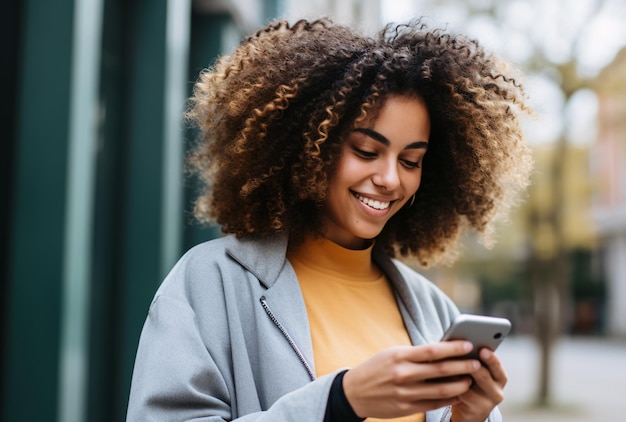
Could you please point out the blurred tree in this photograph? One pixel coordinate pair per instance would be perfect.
(551, 241)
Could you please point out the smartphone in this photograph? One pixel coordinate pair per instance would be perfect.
(481, 331)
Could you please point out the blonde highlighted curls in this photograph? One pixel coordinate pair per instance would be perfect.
(273, 114)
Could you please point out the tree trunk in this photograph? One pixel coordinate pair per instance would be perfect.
(550, 278)
(546, 317)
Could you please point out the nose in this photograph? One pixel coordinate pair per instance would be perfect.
(387, 176)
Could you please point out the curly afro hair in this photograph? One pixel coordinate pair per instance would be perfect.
(273, 115)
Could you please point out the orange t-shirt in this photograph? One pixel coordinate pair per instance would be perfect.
(351, 307)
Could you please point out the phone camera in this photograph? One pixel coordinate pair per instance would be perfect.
(497, 335)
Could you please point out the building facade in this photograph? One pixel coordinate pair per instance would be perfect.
(609, 176)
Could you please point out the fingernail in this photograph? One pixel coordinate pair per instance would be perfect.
(476, 365)
(467, 347)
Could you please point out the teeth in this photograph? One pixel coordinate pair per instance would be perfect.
(379, 205)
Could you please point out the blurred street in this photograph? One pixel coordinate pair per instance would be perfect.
(588, 384)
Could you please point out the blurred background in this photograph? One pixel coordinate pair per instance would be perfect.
(96, 208)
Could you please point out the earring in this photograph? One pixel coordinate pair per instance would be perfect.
(410, 204)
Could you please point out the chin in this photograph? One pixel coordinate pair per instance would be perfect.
(368, 236)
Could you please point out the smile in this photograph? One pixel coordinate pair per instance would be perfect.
(377, 205)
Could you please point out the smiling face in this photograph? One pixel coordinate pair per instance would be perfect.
(378, 171)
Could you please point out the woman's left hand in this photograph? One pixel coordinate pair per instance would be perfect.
(485, 393)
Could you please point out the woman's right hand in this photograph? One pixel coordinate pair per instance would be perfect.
(404, 380)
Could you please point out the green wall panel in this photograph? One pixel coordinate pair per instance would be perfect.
(36, 240)
(141, 221)
(105, 315)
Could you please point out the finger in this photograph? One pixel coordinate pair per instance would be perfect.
(477, 397)
(483, 381)
(439, 351)
(443, 388)
(451, 368)
(493, 363)
(474, 403)
(471, 396)
(486, 387)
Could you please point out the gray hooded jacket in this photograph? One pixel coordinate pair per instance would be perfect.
(227, 337)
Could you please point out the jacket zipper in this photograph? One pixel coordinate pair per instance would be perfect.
(446, 414)
(292, 343)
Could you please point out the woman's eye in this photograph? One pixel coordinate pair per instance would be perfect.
(364, 154)
(411, 164)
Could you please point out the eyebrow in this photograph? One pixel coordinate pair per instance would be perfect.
(379, 137)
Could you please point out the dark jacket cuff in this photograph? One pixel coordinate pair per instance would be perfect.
(338, 409)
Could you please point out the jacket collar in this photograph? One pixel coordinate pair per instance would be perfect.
(265, 257)
(262, 256)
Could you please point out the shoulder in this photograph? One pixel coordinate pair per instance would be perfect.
(207, 266)
(433, 308)
(402, 274)
(430, 307)
(421, 285)
(413, 277)
(202, 259)
(230, 251)
(198, 270)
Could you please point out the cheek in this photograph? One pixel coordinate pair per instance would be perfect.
(412, 182)
(350, 169)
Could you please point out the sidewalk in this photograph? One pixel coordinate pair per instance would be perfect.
(588, 382)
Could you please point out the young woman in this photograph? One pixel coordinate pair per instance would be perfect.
(325, 154)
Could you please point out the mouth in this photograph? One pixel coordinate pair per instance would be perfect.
(372, 203)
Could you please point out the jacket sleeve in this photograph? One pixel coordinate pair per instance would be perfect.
(443, 415)
(495, 416)
(176, 379)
